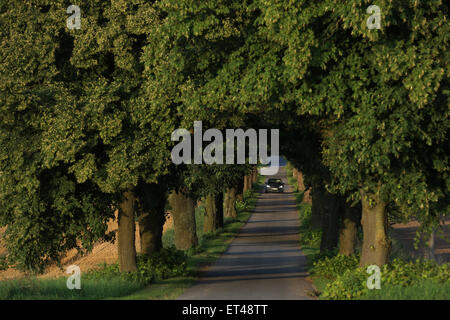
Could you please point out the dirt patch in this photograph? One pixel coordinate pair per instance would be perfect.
(103, 252)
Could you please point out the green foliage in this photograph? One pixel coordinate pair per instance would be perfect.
(308, 236)
(167, 263)
(3, 263)
(87, 114)
(352, 284)
(247, 202)
(406, 273)
(78, 123)
(331, 267)
(104, 271)
(349, 285)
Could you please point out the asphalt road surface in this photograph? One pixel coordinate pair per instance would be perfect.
(264, 261)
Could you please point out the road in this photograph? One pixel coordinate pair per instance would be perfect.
(264, 261)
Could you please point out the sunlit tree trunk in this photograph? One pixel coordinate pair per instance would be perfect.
(246, 184)
(210, 220)
(126, 234)
(183, 214)
(376, 243)
(230, 203)
(255, 175)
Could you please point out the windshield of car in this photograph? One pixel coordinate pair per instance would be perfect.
(274, 181)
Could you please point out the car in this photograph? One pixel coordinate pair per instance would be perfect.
(276, 185)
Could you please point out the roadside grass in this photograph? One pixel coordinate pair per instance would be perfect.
(211, 246)
(56, 289)
(425, 290)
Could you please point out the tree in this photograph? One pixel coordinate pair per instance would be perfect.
(152, 214)
(45, 209)
(348, 233)
(100, 124)
(387, 86)
(126, 233)
(379, 97)
(183, 212)
(211, 182)
(230, 198)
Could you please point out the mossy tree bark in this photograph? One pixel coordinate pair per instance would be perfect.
(246, 184)
(151, 219)
(183, 214)
(255, 175)
(376, 243)
(230, 203)
(349, 229)
(210, 220)
(213, 213)
(126, 234)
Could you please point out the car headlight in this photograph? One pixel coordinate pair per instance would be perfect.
(281, 186)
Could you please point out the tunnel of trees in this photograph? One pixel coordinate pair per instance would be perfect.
(87, 116)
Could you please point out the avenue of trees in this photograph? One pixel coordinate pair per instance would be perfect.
(86, 117)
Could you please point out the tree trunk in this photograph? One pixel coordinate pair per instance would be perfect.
(126, 234)
(240, 190)
(246, 184)
(330, 221)
(349, 229)
(230, 203)
(430, 245)
(183, 214)
(255, 175)
(150, 231)
(151, 220)
(376, 244)
(316, 209)
(294, 173)
(219, 210)
(210, 220)
(301, 187)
